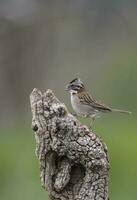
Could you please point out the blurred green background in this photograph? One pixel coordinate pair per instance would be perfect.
(45, 44)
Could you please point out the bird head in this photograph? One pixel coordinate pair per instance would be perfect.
(75, 86)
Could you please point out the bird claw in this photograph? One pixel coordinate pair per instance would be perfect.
(74, 114)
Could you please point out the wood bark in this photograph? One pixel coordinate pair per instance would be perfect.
(73, 160)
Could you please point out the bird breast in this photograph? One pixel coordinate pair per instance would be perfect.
(80, 108)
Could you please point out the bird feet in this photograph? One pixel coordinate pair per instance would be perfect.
(92, 123)
(74, 114)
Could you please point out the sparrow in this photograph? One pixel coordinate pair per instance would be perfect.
(84, 104)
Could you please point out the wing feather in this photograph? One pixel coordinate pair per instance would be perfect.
(88, 100)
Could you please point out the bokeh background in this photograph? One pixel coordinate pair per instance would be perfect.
(45, 44)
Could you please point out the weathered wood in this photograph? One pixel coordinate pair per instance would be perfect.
(73, 160)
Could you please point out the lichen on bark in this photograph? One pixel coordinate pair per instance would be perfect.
(73, 160)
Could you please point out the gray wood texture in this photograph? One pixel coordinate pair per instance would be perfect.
(73, 160)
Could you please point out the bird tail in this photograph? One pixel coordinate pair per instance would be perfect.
(121, 111)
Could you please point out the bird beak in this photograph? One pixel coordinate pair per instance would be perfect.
(67, 87)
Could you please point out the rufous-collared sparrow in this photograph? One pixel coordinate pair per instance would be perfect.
(84, 104)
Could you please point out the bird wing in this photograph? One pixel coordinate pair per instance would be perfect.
(88, 100)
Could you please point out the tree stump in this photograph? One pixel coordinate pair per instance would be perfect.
(73, 160)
